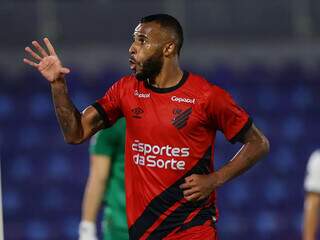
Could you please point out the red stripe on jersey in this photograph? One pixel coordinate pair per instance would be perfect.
(161, 218)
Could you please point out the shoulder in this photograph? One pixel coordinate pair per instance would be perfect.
(122, 85)
(105, 136)
(207, 89)
(119, 125)
(124, 81)
(104, 133)
(198, 80)
(127, 80)
(312, 179)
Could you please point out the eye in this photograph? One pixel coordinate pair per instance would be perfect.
(141, 40)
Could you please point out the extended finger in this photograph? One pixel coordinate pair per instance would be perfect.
(193, 197)
(40, 49)
(189, 192)
(190, 178)
(185, 186)
(65, 70)
(50, 47)
(33, 64)
(33, 54)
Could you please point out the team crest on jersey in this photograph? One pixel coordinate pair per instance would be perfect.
(137, 112)
(181, 117)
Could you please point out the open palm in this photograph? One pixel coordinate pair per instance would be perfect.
(48, 63)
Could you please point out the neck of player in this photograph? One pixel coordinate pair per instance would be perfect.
(170, 75)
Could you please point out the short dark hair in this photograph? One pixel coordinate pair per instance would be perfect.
(167, 21)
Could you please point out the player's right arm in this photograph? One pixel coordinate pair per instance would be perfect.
(312, 197)
(102, 147)
(311, 215)
(95, 188)
(76, 126)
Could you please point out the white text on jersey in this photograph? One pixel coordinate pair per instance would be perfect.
(141, 95)
(183, 100)
(159, 156)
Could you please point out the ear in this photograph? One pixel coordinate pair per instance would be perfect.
(169, 49)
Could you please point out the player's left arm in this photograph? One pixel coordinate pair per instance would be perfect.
(255, 146)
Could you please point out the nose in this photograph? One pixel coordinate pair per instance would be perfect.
(132, 49)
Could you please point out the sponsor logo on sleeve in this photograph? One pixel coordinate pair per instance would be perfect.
(141, 95)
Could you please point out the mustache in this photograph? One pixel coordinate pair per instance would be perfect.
(132, 60)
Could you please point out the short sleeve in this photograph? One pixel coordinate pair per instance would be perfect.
(109, 106)
(228, 117)
(312, 179)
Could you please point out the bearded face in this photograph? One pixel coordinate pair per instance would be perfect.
(146, 52)
(150, 68)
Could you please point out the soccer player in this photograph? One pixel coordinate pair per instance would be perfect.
(106, 180)
(172, 117)
(312, 197)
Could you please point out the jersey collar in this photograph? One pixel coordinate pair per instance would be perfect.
(169, 89)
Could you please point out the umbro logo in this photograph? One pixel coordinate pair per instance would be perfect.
(181, 117)
(137, 112)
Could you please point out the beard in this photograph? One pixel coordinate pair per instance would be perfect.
(151, 68)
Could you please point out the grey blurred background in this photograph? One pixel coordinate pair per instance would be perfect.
(95, 33)
(266, 53)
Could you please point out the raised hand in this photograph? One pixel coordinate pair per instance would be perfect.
(48, 63)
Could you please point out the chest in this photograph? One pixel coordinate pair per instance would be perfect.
(169, 115)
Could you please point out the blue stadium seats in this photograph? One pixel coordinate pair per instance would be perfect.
(29, 136)
(302, 97)
(233, 224)
(40, 105)
(292, 128)
(284, 160)
(37, 229)
(12, 202)
(58, 167)
(267, 98)
(44, 178)
(81, 99)
(70, 227)
(21, 169)
(238, 194)
(6, 106)
(266, 223)
(275, 191)
(53, 200)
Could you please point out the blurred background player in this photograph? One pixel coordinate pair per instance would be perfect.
(312, 197)
(106, 183)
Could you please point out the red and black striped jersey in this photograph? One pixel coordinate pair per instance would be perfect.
(170, 135)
